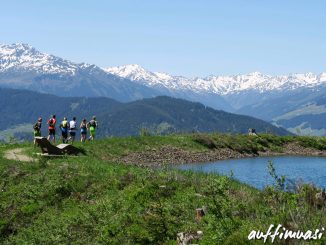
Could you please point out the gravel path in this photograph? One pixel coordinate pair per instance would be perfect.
(18, 155)
(174, 155)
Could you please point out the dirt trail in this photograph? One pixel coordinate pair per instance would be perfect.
(174, 155)
(18, 155)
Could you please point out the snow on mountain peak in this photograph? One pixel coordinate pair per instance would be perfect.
(16, 46)
(137, 73)
(127, 70)
(20, 57)
(218, 84)
(23, 57)
(16, 49)
(256, 74)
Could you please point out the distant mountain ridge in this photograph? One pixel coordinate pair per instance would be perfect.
(270, 98)
(221, 85)
(24, 67)
(160, 115)
(23, 58)
(291, 101)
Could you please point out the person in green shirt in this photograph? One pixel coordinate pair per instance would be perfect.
(92, 126)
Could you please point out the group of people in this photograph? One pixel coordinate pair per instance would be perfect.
(68, 129)
(252, 131)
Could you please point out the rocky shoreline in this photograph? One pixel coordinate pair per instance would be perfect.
(174, 155)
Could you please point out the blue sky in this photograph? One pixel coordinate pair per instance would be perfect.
(181, 37)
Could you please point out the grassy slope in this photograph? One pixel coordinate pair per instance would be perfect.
(203, 142)
(88, 200)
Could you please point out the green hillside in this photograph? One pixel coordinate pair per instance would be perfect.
(300, 112)
(95, 199)
(160, 115)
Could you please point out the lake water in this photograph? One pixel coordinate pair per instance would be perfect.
(254, 171)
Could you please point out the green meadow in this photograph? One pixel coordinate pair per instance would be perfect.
(97, 199)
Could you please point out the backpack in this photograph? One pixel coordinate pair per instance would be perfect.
(36, 127)
(92, 123)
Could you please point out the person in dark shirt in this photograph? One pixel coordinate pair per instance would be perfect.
(37, 129)
(92, 126)
(83, 130)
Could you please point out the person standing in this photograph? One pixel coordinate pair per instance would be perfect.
(83, 130)
(64, 130)
(37, 129)
(92, 126)
(72, 129)
(51, 126)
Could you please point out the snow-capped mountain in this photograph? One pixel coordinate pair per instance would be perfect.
(222, 85)
(139, 74)
(23, 57)
(294, 101)
(272, 98)
(20, 58)
(24, 67)
(176, 86)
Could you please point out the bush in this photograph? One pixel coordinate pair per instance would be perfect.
(205, 141)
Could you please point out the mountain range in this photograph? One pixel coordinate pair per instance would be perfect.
(294, 101)
(159, 115)
(221, 85)
(24, 67)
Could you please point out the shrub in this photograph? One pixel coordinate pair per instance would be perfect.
(205, 141)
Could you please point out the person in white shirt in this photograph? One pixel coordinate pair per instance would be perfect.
(72, 129)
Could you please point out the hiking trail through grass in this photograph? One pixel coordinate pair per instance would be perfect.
(18, 155)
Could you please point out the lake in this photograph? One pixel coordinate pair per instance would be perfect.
(254, 171)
